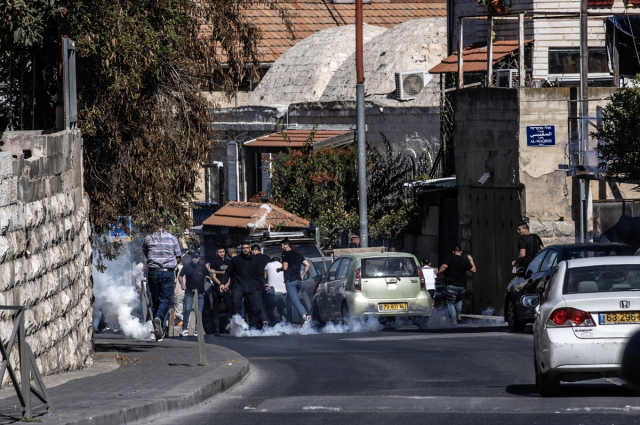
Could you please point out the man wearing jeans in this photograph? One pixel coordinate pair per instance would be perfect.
(455, 270)
(195, 272)
(277, 291)
(162, 254)
(292, 262)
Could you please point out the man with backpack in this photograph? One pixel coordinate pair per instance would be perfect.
(529, 245)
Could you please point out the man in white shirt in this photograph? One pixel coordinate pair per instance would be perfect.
(277, 290)
(429, 276)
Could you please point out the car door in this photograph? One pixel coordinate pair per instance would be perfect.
(528, 286)
(322, 294)
(546, 270)
(338, 286)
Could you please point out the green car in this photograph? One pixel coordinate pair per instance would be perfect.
(384, 285)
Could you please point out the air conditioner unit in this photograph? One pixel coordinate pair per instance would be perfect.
(410, 83)
(505, 77)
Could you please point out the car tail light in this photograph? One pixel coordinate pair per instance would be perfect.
(357, 284)
(567, 317)
(423, 284)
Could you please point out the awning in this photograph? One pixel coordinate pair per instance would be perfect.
(321, 138)
(474, 57)
(433, 185)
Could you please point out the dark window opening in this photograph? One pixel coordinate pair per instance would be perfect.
(567, 61)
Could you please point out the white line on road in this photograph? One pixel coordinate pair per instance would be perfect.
(441, 336)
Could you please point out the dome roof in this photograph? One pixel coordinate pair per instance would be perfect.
(413, 45)
(302, 73)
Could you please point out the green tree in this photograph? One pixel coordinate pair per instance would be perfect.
(619, 152)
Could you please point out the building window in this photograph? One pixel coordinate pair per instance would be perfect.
(567, 61)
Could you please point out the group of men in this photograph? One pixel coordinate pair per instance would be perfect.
(248, 281)
(455, 269)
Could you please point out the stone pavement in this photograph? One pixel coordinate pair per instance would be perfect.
(151, 379)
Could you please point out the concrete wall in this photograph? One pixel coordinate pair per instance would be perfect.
(42, 201)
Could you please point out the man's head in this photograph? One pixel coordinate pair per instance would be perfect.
(457, 250)
(160, 223)
(275, 259)
(255, 249)
(246, 248)
(195, 257)
(523, 229)
(233, 251)
(426, 262)
(221, 252)
(285, 245)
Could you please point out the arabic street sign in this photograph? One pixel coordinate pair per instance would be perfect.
(541, 135)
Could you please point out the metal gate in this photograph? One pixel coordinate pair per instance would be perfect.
(495, 215)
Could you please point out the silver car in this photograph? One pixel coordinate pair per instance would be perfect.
(586, 314)
(382, 285)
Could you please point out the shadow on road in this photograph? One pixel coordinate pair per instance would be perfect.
(575, 390)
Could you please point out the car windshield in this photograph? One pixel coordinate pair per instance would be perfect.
(389, 267)
(613, 278)
(308, 250)
(599, 251)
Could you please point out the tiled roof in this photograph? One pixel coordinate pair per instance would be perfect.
(249, 215)
(310, 16)
(474, 57)
(297, 137)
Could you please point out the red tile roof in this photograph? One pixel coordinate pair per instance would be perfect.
(310, 16)
(249, 215)
(297, 137)
(474, 57)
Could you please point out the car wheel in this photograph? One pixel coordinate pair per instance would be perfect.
(548, 386)
(315, 316)
(345, 313)
(512, 318)
(422, 322)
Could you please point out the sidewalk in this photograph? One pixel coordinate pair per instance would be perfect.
(136, 380)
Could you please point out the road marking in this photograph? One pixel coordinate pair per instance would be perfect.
(440, 336)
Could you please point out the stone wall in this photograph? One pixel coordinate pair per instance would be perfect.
(43, 210)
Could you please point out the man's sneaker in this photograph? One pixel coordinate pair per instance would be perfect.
(217, 333)
(163, 335)
(184, 332)
(265, 324)
(157, 328)
(307, 319)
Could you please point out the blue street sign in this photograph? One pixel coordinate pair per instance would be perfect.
(121, 229)
(541, 135)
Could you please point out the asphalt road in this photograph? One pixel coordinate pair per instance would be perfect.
(446, 376)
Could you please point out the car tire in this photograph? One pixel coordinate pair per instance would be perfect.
(548, 386)
(422, 322)
(344, 310)
(315, 316)
(515, 325)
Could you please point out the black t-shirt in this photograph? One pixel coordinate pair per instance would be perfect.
(246, 274)
(221, 265)
(531, 244)
(456, 272)
(195, 274)
(294, 264)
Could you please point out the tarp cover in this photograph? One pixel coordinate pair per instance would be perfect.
(623, 31)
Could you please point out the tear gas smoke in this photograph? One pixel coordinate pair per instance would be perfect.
(239, 328)
(117, 299)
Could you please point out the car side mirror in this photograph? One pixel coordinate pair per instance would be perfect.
(520, 272)
(530, 300)
(319, 278)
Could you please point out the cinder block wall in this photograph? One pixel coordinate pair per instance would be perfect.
(42, 201)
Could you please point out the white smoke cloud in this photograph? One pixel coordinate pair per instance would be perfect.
(239, 328)
(118, 300)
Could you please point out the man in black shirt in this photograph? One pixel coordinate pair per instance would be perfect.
(529, 245)
(264, 260)
(455, 270)
(220, 289)
(195, 273)
(292, 262)
(247, 278)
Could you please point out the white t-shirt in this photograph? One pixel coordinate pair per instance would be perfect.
(275, 279)
(429, 277)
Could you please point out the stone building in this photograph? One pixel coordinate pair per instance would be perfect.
(45, 251)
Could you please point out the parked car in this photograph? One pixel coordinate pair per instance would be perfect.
(584, 318)
(383, 285)
(533, 279)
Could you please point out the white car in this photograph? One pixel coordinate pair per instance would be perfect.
(584, 318)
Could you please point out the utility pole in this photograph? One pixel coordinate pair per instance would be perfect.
(360, 130)
(584, 109)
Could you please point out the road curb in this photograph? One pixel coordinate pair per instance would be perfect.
(183, 396)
